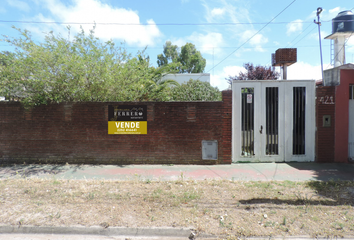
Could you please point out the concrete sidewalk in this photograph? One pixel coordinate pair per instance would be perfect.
(236, 172)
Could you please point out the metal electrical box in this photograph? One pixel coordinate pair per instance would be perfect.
(209, 149)
(326, 120)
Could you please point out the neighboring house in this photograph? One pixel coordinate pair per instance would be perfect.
(335, 115)
(185, 77)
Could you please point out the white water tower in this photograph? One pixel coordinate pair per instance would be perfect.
(342, 28)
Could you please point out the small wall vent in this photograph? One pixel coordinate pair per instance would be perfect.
(209, 150)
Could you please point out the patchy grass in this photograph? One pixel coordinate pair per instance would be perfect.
(224, 208)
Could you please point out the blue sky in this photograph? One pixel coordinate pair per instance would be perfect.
(225, 31)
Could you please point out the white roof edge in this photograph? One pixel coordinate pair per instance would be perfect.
(188, 74)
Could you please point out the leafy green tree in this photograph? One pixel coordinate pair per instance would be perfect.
(81, 69)
(255, 73)
(195, 90)
(185, 60)
(191, 59)
(170, 54)
(6, 58)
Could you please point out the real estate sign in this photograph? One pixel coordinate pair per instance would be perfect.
(127, 119)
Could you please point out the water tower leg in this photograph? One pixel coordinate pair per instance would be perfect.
(284, 72)
(339, 51)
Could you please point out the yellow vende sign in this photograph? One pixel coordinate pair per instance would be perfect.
(129, 127)
(127, 119)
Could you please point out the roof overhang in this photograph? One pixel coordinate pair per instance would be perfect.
(339, 34)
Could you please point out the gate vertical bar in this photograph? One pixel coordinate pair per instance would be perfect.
(243, 122)
(351, 124)
(299, 117)
(247, 121)
(252, 125)
(272, 111)
(267, 121)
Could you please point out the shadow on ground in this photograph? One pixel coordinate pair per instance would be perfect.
(33, 170)
(327, 171)
(30, 170)
(325, 193)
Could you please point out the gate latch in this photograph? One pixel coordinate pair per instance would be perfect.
(260, 131)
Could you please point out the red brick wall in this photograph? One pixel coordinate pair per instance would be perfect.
(77, 133)
(342, 113)
(325, 105)
(226, 127)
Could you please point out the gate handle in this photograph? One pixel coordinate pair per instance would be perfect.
(260, 131)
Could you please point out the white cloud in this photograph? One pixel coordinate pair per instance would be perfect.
(294, 26)
(218, 79)
(90, 11)
(326, 15)
(234, 34)
(229, 11)
(304, 71)
(179, 42)
(23, 6)
(323, 35)
(207, 43)
(332, 13)
(44, 28)
(254, 40)
(217, 12)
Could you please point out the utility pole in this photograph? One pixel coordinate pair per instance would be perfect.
(319, 10)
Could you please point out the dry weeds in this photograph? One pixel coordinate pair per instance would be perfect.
(215, 207)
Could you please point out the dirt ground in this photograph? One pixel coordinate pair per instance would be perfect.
(219, 207)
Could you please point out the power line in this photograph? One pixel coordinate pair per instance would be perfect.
(201, 47)
(252, 36)
(299, 35)
(299, 40)
(308, 34)
(305, 35)
(159, 24)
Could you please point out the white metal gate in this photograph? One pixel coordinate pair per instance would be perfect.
(351, 123)
(273, 121)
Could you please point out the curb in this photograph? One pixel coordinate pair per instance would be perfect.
(96, 230)
(294, 238)
(140, 232)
